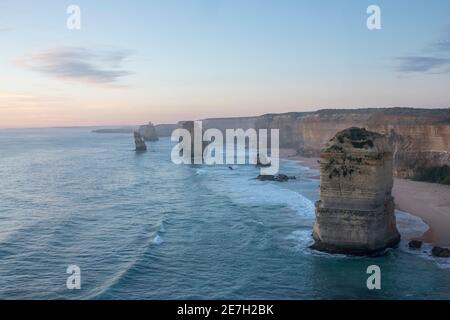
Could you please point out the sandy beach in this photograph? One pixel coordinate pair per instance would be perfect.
(290, 154)
(428, 201)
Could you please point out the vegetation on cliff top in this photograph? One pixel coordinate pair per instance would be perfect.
(359, 138)
(434, 174)
(432, 115)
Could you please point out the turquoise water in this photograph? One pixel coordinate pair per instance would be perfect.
(140, 227)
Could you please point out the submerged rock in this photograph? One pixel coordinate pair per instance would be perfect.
(148, 132)
(415, 244)
(277, 178)
(355, 213)
(440, 252)
(139, 142)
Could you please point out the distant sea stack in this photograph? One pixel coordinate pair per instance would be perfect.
(148, 132)
(191, 126)
(355, 213)
(139, 142)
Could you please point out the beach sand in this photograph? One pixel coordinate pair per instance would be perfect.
(428, 201)
(291, 154)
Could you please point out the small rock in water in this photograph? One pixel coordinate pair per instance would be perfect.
(441, 252)
(415, 244)
(277, 178)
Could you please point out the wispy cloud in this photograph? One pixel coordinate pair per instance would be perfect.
(435, 58)
(23, 101)
(422, 64)
(79, 64)
(442, 46)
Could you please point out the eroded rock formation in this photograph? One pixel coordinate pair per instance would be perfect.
(196, 132)
(148, 132)
(440, 252)
(277, 178)
(139, 142)
(355, 213)
(415, 244)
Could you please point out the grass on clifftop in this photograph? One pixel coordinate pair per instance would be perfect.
(434, 174)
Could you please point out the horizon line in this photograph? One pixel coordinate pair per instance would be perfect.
(231, 117)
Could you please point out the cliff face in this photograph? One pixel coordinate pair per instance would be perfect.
(229, 123)
(193, 128)
(355, 213)
(165, 130)
(420, 137)
(148, 132)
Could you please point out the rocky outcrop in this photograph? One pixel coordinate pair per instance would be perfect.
(193, 127)
(148, 132)
(355, 213)
(139, 142)
(277, 178)
(441, 252)
(415, 244)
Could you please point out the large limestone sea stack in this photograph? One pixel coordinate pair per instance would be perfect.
(355, 213)
(194, 129)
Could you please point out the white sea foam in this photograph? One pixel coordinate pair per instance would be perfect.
(200, 172)
(301, 238)
(246, 191)
(411, 227)
(241, 187)
(158, 240)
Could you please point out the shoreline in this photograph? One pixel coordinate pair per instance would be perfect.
(427, 201)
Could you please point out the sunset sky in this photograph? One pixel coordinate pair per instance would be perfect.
(165, 61)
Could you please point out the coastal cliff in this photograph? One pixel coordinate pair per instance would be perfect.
(148, 132)
(355, 213)
(420, 137)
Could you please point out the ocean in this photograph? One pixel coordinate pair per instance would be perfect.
(140, 227)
